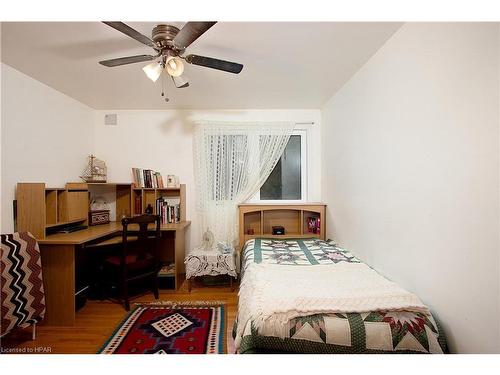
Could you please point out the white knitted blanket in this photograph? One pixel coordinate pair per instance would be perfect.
(273, 294)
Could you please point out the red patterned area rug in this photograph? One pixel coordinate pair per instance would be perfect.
(170, 328)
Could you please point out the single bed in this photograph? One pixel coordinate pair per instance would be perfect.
(287, 292)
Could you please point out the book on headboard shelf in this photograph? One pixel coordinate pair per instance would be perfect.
(147, 178)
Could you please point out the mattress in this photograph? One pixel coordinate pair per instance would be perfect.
(343, 333)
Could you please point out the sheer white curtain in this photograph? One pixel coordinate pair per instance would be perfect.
(232, 161)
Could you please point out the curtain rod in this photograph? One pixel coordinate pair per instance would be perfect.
(199, 122)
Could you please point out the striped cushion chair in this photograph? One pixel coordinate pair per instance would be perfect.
(22, 295)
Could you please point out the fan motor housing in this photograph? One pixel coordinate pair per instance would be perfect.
(164, 34)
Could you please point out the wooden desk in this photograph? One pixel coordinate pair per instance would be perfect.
(58, 265)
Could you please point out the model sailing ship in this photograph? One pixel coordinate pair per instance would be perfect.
(95, 171)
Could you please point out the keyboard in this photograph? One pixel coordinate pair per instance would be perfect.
(72, 228)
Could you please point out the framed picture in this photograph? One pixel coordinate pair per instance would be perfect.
(313, 225)
(172, 180)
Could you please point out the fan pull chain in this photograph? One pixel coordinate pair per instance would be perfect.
(163, 87)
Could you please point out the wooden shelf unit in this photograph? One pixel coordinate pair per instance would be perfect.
(39, 208)
(293, 217)
(119, 194)
(149, 196)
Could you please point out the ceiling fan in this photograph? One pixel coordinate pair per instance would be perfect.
(169, 45)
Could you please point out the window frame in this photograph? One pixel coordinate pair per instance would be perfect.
(303, 178)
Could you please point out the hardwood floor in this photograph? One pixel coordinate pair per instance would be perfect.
(96, 321)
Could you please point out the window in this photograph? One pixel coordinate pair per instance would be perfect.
(288, 179)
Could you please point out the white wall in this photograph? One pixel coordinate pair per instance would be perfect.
(46, 137)
(410, 172)
(162, 141)
(499, 173)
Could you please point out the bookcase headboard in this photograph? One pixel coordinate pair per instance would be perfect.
(299, 220)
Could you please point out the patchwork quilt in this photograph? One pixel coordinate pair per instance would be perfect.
(366, 332)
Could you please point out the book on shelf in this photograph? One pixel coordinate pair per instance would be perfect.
(144, 178)
(152, 179)
(168, 209)
(147, 179)
(159, 180)
(138, 204)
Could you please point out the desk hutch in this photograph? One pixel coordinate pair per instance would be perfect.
(42, 210)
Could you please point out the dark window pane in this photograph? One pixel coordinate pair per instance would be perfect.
(284, 182)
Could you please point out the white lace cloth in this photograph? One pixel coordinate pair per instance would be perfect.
(209, 263)
(273, 294)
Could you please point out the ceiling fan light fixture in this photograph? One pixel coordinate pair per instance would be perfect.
(169, 44)
(180, 82)
(153, 71)
(175, 66)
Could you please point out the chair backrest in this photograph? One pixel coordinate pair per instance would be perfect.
(141, 227)
(22, 293)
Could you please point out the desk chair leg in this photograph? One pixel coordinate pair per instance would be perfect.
(155, 287)
(125, 296)
(189, 285)
(231, 283)
(33, 332)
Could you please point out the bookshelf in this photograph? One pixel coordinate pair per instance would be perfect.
(141, 197)
(41, 208)
(295, 218)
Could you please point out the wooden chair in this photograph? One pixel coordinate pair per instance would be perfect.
(138, 259)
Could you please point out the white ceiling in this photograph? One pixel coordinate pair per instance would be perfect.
(286, 65)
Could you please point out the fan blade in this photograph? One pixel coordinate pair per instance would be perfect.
(126, 60)
(127, 30)
(190, 32)
(209, 62)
